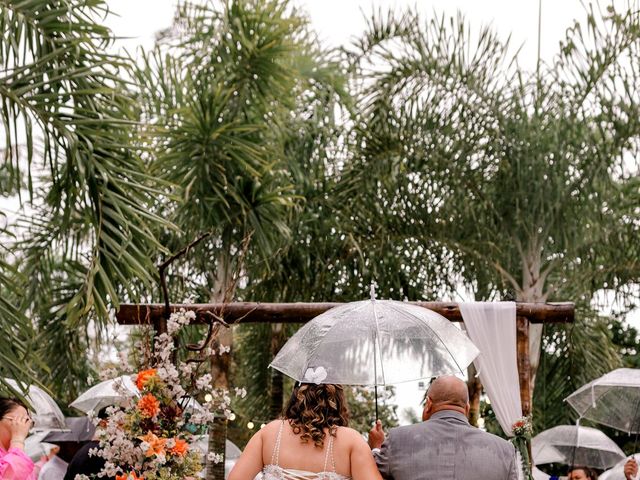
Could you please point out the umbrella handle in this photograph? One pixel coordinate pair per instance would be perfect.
(376, 394)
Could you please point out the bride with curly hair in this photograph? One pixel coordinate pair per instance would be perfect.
(311, 442)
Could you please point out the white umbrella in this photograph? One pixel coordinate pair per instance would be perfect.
(617, 472)
(113, 392)
(612, 400)
(375, 342)
(47, 415)
(574, 445)
(35, 447)
(105, 394)
(539, 474)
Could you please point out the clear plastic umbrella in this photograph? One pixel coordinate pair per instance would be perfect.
(47, 415)
(35, 446)
(612, 400)
(375, 342)
(617, 472)
(539, 474)
(107, 393)
(114, 391)
(575, 445)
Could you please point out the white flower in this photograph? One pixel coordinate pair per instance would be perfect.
(224, 349)
(241, 392)
(215, 457)
(81, 477)
(204, 382)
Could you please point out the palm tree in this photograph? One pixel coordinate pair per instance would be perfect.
(68, 117)
(512, 182)
(217, 95)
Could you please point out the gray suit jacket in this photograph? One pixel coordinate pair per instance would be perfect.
(445, 447)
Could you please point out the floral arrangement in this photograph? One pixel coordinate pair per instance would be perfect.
(149, 435)
(522, 431)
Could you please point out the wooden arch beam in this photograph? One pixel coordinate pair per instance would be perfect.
(249, 312)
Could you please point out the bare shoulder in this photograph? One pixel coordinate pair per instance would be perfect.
(271, 427)
(350, 435)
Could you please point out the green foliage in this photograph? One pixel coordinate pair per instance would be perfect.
(362, 408)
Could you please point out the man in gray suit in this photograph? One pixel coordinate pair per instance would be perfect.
(444, 446)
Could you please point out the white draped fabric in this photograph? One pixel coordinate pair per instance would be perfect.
(492, 327)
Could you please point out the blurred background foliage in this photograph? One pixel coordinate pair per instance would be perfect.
(420, 157)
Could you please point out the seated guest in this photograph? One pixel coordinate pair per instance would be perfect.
(15, 423)
(84, 464)
(55, 468)
(582, 473)
(444, 446)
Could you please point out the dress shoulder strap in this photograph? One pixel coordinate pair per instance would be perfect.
(329, 454)
(275, 456)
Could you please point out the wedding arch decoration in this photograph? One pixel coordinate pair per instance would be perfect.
(150, 434)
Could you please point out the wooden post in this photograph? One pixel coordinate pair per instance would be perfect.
(524, 363)
(524, 370)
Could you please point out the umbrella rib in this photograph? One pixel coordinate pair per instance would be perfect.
(377, 342)
(437, 336)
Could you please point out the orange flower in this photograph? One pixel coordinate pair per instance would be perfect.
(144, 376)
(149, 405)
(128, 476)
(156, 444)
(180, 449)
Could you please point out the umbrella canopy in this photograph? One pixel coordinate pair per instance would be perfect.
(114, 392)
(375, 342)
(81, 429)
(617, 472)
(612, 400)
(574, 445)
(35, 447)
(46, 413)
(539, 474)
(104, 394)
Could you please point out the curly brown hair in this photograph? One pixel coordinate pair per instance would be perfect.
(314, 408)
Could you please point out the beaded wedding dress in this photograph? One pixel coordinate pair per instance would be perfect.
(276, 472)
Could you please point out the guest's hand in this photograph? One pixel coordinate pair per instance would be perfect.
(20, 428)
(376, 435)
(630, 469)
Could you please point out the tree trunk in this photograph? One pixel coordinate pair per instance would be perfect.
(532, 290)
(277, 379)
(475, 391)
(217, 440)
(222, 292)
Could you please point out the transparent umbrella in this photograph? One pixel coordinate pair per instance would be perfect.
(575, 445)
(375, 342)
(617, 472)
(612, 400)
(114, 391)
(110, 392)
(46, 413)
(35, 446)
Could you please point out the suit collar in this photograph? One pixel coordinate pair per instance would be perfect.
(442, 414)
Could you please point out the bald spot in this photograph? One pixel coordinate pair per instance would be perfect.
(449, 390)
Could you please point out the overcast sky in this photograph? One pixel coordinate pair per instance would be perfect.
(337, 21)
